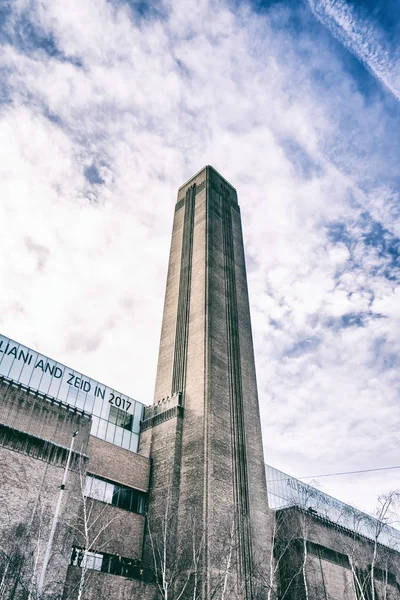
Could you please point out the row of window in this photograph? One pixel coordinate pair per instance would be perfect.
(107, 563)
(116, 494)
(384, 575)
(119, 435)
(328, 554)
(34, 446)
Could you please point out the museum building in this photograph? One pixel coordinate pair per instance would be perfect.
(103, 497)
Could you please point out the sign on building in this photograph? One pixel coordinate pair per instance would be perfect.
(115, 416)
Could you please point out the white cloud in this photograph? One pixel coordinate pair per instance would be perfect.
(363, 37)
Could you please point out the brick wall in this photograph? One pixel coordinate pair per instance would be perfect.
(119, 465)
(40, 417)
(337, 561)
(105, 586)
(30, 485)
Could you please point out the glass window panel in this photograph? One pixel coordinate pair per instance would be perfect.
(80, 400)
(95, 426)
(56, 381)
(138, 417)
(120, 418)
(115, 496)
(134, 442)
(8, 359)
(63, 391)
(88, 560)
(17, 363)
(3, 346)
(91, 560)
(88, 485)
(126, 440)
(75, 557)
(101, 433)
(27, 370)
(141, 503)
(125, 498)
(105, 406)
(109, 492)
(37, 372)
(134, 500)
(114, 565)
(98, 402)
(110, 433)
(98, 489)
(118, 436)
(46, 376)
(105, 567)
(89, 404)
(71, 396)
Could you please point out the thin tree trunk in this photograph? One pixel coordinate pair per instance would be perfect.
(229, 561)
(304, 568)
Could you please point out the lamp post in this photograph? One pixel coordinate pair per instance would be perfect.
(55, 520)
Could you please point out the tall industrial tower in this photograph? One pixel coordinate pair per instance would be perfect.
(203, 431)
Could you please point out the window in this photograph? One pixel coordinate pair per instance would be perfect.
(107, 563)
(92, 561)
(118, 565)
(328, 554)
(114, 493)
(89, 560)
(384, 575)
(120, 418)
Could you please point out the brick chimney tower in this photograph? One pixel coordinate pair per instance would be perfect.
(203, 431)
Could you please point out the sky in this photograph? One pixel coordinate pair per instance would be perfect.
(107, 106)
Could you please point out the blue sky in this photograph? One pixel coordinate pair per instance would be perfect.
(107, 107)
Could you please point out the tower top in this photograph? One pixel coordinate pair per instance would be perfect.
(208, 173)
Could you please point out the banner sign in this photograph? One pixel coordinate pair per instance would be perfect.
(25, 366)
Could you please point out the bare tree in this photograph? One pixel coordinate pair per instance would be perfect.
(91, 525)
(15, 562)
(385, 515)
(20, 548)
(176, 570)
(368, 543)
(297, 522)
(273, 582)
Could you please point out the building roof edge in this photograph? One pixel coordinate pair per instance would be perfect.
(206, 168)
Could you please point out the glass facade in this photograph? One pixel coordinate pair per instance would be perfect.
(285, 491)
(107, 563)
(115, 417)
(114, 493)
